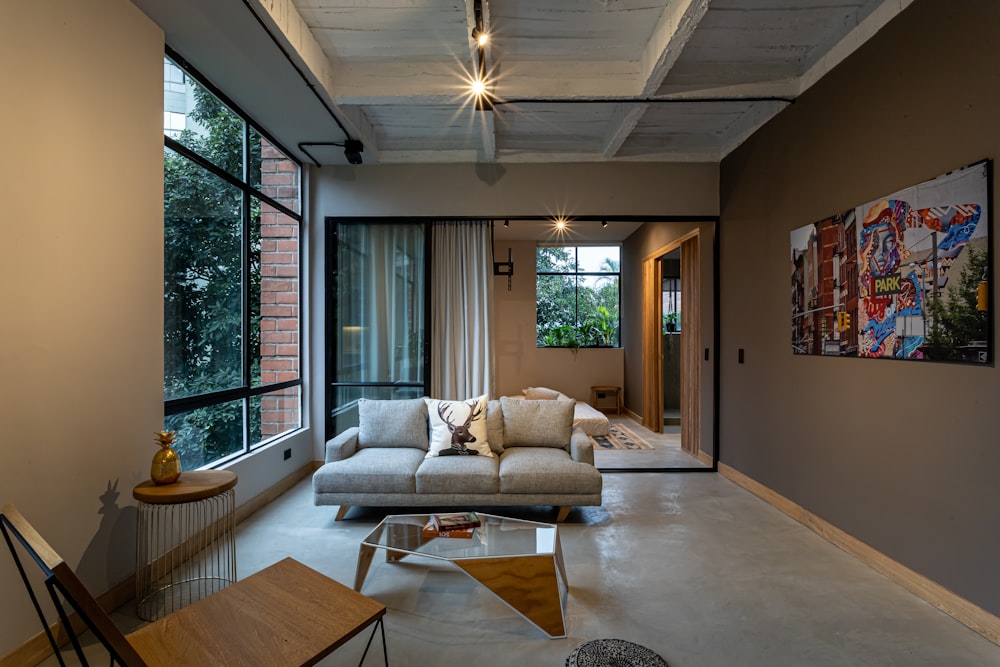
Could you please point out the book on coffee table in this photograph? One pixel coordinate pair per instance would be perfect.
(456, 521)
(429, 531)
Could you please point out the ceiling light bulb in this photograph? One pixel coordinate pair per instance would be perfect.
(483, 38)
(478, 87)
(560, 224)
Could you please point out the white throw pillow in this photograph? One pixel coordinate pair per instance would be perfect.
(458, 427)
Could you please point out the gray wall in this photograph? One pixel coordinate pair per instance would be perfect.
(902, 455)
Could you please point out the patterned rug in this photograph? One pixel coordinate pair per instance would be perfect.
(620, 437)
(613, 653)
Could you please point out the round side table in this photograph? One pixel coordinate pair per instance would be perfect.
(185, 540)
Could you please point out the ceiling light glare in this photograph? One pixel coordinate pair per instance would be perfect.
(478, 87)
(560, 224)
(483, 38)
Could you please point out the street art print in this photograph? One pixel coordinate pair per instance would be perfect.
(906, 276)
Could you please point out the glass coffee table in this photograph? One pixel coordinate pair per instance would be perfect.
(518, 561)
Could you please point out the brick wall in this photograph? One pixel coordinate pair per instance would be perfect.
(279, 293)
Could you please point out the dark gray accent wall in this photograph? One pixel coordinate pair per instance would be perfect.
(902, 455)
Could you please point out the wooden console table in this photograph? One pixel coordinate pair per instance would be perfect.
(185, 540)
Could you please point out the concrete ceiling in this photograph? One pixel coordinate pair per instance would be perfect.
(571, 80)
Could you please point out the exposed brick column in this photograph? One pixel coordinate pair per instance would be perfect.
(279, 292)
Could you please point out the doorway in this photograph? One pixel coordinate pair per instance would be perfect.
(672, 316)
(670, 296)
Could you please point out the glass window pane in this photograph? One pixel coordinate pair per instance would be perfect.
(203, 275)
(599, 259)
(274, 296)
(555, 259)
(380, 303)
(207, 434)
(555, 309)
(598, 299)
(201, 122)
(274, 414)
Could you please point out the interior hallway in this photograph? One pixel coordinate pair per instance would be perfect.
(689, 565)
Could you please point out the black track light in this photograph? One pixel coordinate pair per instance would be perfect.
(352, 150)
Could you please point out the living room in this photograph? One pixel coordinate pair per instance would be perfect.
(853, 444)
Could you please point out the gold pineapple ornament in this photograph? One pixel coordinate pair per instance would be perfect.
(166, 466)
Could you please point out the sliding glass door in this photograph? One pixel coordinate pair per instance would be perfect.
(377, 315)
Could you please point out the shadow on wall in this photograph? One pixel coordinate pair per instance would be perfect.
(110, 557)
(490, 173)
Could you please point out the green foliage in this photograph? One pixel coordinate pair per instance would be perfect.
(571, 313)
(203, 282)
(955, 322)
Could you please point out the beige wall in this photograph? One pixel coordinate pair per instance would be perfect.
(81, 345)
(902, 455)
(519, 362)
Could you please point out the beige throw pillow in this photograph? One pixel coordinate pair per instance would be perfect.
(534, 423)
(541, 394)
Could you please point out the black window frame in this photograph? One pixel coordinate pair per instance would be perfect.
(246, 391)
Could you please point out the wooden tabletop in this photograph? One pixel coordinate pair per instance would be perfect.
(191, 486)
(286, 614)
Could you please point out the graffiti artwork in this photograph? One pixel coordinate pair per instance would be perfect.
(906, 276)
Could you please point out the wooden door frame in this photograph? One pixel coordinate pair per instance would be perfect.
(691, 317)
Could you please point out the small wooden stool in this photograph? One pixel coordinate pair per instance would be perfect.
(607, 399)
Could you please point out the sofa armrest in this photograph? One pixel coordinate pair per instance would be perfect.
(580, 447)
(343, 445)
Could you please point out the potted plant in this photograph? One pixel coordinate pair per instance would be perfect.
(671, 321)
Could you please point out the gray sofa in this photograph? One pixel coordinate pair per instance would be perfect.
(534, 457)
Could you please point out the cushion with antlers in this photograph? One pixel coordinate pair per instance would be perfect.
(458, 428)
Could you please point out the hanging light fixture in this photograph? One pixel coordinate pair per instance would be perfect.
(481, 36)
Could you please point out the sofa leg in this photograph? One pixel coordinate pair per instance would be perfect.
(342, 512)
(563, 513)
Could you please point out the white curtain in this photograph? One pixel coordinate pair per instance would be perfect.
(461, 310)
(380, 303)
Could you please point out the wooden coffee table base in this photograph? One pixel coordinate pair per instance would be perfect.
(529, 584)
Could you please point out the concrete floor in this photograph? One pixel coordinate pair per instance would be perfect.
(689, 565)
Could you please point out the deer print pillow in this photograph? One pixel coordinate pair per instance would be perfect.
(458, 428)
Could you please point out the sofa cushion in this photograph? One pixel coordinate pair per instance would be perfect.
(458, 474)
(494, 426)
(371, 470)
(528, 423)
(463, 422)
(545, 470)
(401, 423)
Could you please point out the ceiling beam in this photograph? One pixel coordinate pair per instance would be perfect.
(884, 11)
(287, 25)
(676, 25)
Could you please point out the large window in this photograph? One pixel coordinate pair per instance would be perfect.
(578, 295)
(377, 309)
(232, 223)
